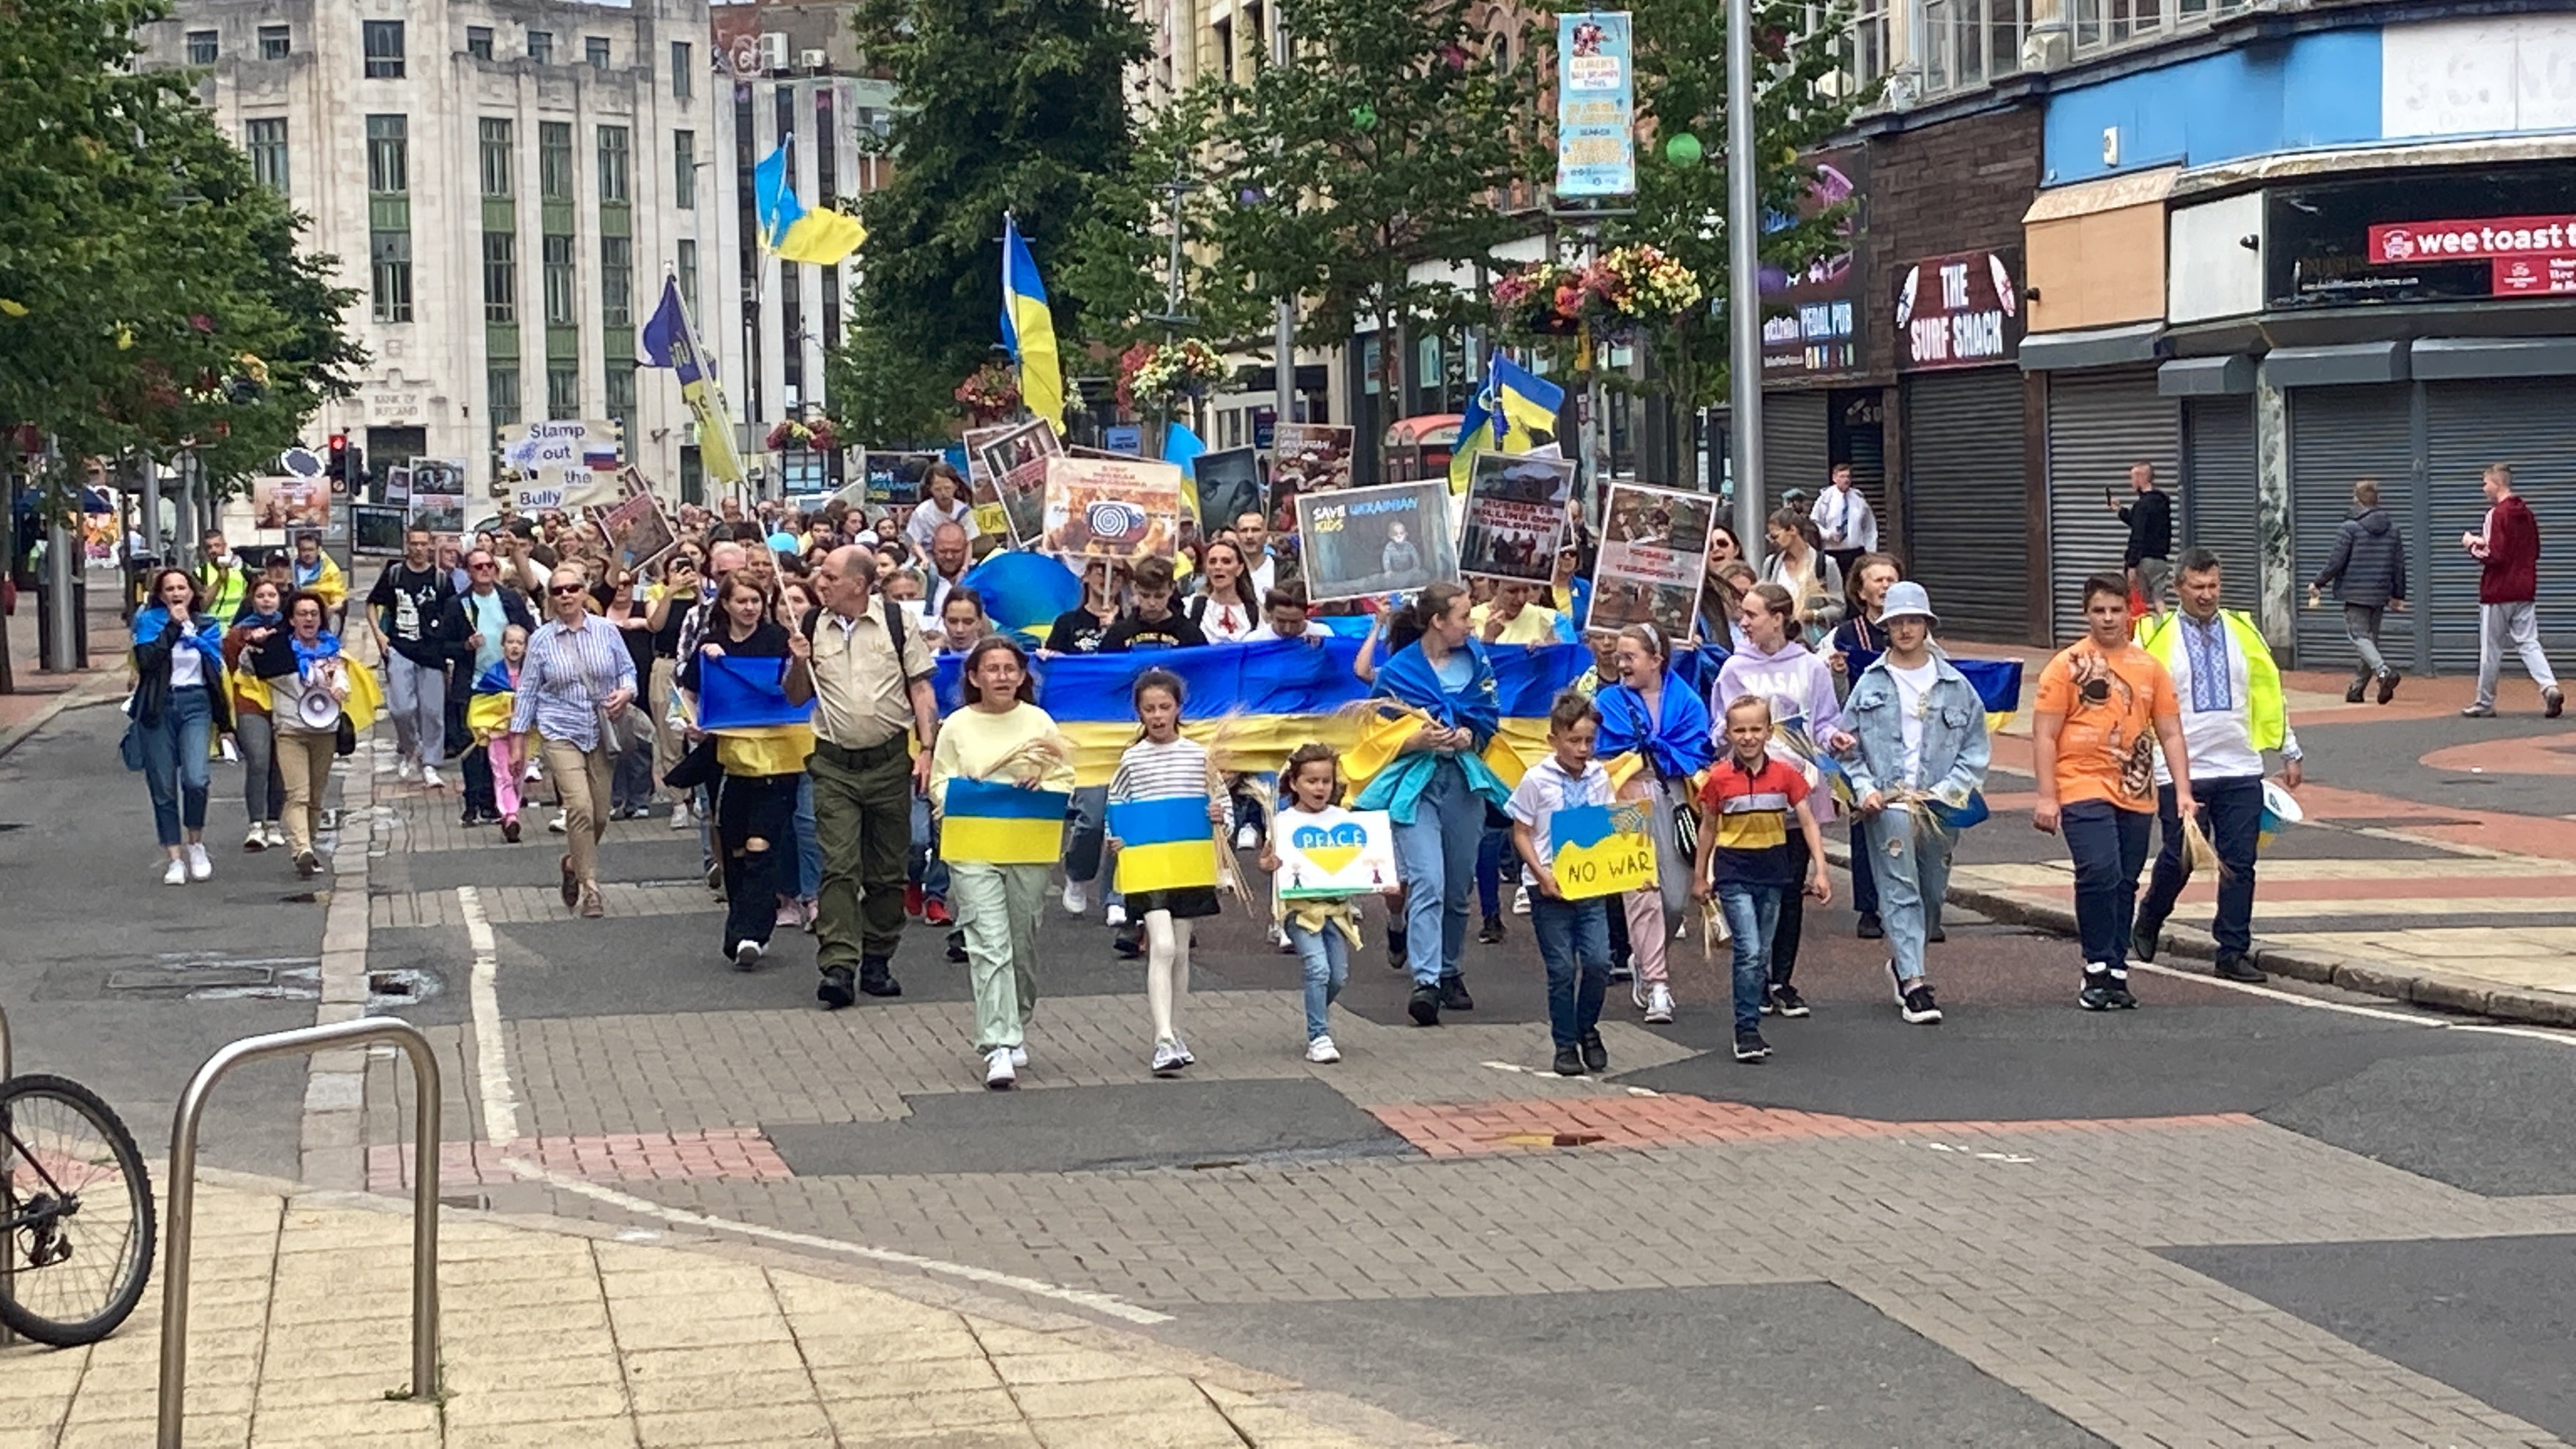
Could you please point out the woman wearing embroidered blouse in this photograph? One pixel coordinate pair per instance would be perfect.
(179, 707)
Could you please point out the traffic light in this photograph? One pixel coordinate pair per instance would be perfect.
(338, 469)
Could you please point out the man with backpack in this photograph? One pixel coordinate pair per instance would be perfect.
(407, 612)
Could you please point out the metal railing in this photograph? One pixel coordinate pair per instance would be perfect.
(6, 1251)
(183, 1195)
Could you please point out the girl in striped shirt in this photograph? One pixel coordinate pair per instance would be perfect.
(1163, 765)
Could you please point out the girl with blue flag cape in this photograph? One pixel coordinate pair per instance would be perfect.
(1656, 741)
(487, 714)
(180, 706)
(1425, 763)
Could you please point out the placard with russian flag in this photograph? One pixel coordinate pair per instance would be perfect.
(1164, 843)
(1000, 824)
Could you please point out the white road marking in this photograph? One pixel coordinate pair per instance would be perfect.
(491, 1058)
(2532, 1033)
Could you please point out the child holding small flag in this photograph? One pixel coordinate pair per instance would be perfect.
(1168, 774)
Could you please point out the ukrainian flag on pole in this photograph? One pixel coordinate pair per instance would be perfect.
(822, 237)
(1028, 328)
(1514, 404)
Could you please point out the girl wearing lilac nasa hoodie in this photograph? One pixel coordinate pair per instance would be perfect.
(1771, 664)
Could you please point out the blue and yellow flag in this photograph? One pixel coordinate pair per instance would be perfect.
(1165, 843)
(822, 236)
(1028, 328)
(670, 342)
(1001, 824)
(1508, 412)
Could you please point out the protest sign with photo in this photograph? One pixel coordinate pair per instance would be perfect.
(1361, 542)
(1229, 486)
(636, 531)
(1015, 460)
(376, 529)
(398, 485)
(1654, 560)
(1309, 458)
(437, 495)
(1117, 508)
(293, 504)
(983, 489)
(1515, 516)
(896, 480)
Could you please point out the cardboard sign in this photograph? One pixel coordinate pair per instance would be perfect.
(1339, 853)
(292, 504)
(636, 531)
(1115, 508)
(1601, 850)
(1515, 517)
(1009, 471)
(1654, 560)
(573, 460)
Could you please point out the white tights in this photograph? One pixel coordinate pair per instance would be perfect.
(1167, 969)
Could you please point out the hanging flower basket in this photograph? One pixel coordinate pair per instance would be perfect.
(1625, 288)
(989, 394)
(819, 435)
(1642, 285)
(1542, 299)
(1153, 377)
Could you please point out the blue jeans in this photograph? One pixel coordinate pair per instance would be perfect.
(175, 767)
(1326, 955)
(1864, 872)
(1911, 861)
(1435, 857)
(809, 850)
(1086, 847)
(1752, 913)
(1491, 852)
(2231, 810)
(927, 870)
(1574, 942)
(2109, 848)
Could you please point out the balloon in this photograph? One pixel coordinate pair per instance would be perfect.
(1683, 150)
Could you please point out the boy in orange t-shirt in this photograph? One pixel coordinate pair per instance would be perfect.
(2104, 707)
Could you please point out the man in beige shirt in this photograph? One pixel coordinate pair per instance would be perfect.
(869, 679)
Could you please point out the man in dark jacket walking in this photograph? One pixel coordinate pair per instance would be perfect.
(2149, 556)
(2367, 572)
(2508, 553)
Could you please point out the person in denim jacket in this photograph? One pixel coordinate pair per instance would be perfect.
(1913, 742)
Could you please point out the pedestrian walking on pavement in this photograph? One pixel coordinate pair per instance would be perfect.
(1001, 736)
(2229, 692)
(2105, 707)
(1165, 765)
(1322, 930)
(1814, 582)
(180, 706)
(2367, 572)
(1914, 746)
(2507, 549)
(1573, 935)
(578, 678)
(1776, 668)
(488, 714)
(1750, 808)
(868, 675)
(476, 619)
(2149, 515)
(262, 616)
(1653, 716)
(312, 689)
(1844, 521)
(755, 818)
(223, 580)
(1856, 642)
(407, 611)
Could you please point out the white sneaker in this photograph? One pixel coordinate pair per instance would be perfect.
(1247, 837)
(406, 770)
(1077, 897)
(199, 867)
(533, 774)
(557, 824)
(276, 835)
(680, 816)
(1520, 900)
(1659, 1004)
(1321, 1049)
(1116, 914)
(1019, 1056)
(1167, 1058)
(746, 955)
(429, 778)
(177, 874)
(998, 1075)
(256, 840)
(1183, 1048)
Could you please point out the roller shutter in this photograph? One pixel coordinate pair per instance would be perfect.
(2098, 424)
(2528, 424)
(1965, 498)
(2218, 507)
(1794, 448)
(2339, 435)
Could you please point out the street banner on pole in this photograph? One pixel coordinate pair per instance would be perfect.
(1596, 106)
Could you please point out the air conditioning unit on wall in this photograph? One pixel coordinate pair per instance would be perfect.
(773, 51)
(810, 60)
(2046, 48)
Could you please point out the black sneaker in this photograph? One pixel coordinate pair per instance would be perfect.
(1750, 1048)
(2144, 943)
(1919, 1009)
(835, 991)
(1453, 994)
(2353, 694)
(1397, 956)
(2387, 685)
(1424, 1005)
(1490, 933)
(2231, 966)
(2121, 1000)
(1871, 928)
(1596, 1057)
(957, 945)
(1786, 1000)
(2096, 992)
(1934, 935)
(1129, 947)
(876, 978)
(1568, 1062)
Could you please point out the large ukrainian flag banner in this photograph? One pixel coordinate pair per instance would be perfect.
(1164, 843)
(1003, 824)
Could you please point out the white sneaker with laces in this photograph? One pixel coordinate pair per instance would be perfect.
(998, 1075)
(1659, 1004)
(276, 835)
(177, 874)
(406, 769)
(429, 778)
(1019, 1056)
(1077, 897)
(557, 824)
(1321, 1049)
(746, 955)
(1167, 1058)
(534, 774)
(1520, 900)
(199, 866)
(1183, 1048)
(1116, 915)
(256, 840)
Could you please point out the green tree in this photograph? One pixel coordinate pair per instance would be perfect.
(1013, 105)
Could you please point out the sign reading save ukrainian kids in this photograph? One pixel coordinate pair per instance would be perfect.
(1596, 106)
(1601, 850)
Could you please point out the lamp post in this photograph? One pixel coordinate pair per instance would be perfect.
(1284, 318)
(1744, 300)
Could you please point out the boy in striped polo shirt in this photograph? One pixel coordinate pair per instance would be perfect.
(1744, 855)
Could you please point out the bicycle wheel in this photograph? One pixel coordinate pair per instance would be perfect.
(75, 1213)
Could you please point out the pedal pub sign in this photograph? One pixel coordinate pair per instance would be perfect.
(1960, 310)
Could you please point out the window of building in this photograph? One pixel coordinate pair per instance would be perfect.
(267, 145)
(687, 270)
(384, 42)
(478, 41)
(563, 392)
(554, 160)
(683, 70)
(391, 274)
(594, 49)
(202, 48)
(494, 135)
(617, 282)
(612, 164)
(388, 155)
(500, 277)
(1223, 40)
(2100, 24)
(561, 299)
(1256, 41)
(541, 46)
(1867, 55)
(501, 394)
(1971, 42)
(684, 169)
(621, 394)
(276, 42)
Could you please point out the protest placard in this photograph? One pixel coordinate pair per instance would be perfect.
(1310, 458)
(1653, 560)
(636, 530)
(1515, 516)
(376, 529)
(1601, 850)
(1341, 853)
(293, 504)
(437, 495)
(561, 463)
(1116, 508)
(1360, 542)
(1016, 462)
(1229, 486)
